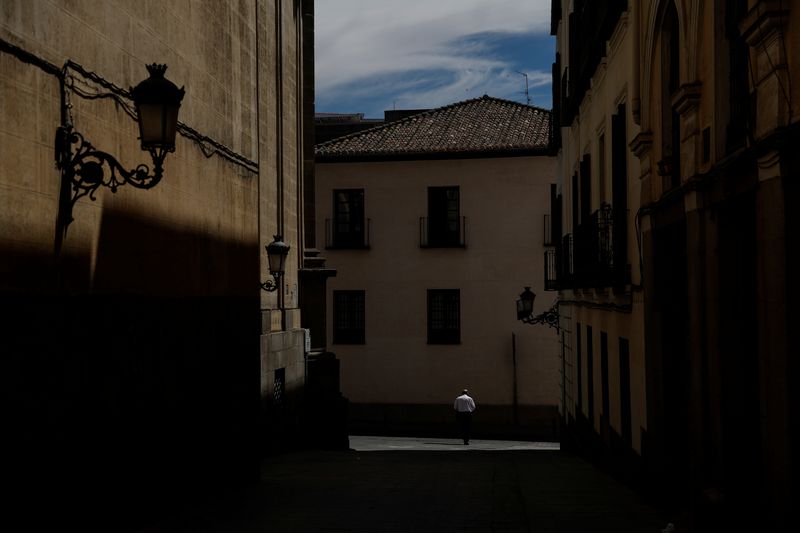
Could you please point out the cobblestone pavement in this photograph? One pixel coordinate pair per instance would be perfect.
(427, 485)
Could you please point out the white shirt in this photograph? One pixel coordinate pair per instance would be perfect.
(464, 404)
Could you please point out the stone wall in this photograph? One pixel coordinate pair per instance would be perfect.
(131, 341)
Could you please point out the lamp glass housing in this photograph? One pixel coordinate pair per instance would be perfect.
(157, 103)
(277, 251)
(525, 303)
(158, 125)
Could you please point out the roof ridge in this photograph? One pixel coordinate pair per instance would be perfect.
(480, 123)
(404, 119)
(428, 112)
(505, 100)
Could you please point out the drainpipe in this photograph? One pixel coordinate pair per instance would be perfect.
(514, 362)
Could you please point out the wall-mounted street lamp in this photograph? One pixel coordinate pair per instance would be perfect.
(85, 168)
(525, 311)
(277, 251)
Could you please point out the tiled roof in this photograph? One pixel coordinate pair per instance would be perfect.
(484, 124)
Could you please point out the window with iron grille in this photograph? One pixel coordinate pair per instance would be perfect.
(444, 316)
(279, 388)
(348, 317)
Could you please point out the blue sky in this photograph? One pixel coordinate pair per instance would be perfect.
(373, 55)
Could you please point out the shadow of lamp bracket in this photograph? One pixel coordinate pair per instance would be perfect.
(85, 169)
(525, 311)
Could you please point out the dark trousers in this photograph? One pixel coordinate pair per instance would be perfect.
(465, 422)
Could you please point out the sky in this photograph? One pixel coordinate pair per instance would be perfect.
(374, 55)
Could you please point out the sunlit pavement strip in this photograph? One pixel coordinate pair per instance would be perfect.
(384, 444)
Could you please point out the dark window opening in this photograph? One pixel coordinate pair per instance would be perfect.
(739, 84)
(601, 167)
(550, 236)
(348, 317)
(555, 121)
(554, 266)
(445, 226)
(578, 365)
(625, 390)
(590, 374)
(347, 229)
(669, 166)
(585, 235)
(589, 26)
(619, 194)
(586, 189)
(575, 205)
(444, 316)
(604, 376)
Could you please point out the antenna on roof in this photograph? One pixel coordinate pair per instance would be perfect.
(527, 96)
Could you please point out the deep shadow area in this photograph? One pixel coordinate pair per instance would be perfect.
(421, 491)
(136, 389)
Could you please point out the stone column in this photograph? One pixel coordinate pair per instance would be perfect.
(772, 333)
(764, 29)
(696, 329)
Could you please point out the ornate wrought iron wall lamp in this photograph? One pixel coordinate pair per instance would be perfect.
(85, 169)
(525, 311)
(277, 251)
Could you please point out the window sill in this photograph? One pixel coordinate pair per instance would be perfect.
(349, 247)
(442, 246)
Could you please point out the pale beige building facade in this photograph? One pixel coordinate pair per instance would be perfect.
(400, 372)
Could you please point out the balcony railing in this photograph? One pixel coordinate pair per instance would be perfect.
(567, 264)
(588, 257)
(605, 242)
(347, 240)
(442, 237)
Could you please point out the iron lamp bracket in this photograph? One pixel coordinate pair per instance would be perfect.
(86, 169)
(271, 285)
(549, 318)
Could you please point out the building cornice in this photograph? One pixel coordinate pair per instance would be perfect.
(641, 144)
(687, 97)
(763, 20)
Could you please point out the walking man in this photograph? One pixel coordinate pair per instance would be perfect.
(464, 407)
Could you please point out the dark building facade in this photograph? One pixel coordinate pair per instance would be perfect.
(678, 127)
(142, 364)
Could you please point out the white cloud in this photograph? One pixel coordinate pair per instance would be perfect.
(472, 84)
(360, 39)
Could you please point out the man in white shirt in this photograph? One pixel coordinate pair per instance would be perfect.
(464, 407)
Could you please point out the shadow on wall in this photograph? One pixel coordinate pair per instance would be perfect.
(130, 397)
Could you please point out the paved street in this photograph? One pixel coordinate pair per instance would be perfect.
(421, 485)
